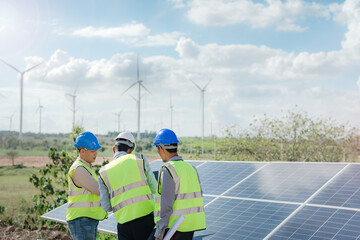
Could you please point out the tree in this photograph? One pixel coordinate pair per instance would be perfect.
(12, 154)
(11, 142)
(292, 137)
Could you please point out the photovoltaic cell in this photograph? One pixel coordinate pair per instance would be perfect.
(321, 224)
(294, 182)
(344, 191)
(240, 219)
(217, 177)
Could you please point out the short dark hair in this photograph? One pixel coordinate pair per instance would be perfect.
(121, 147)
(79, 148)
(174, 150)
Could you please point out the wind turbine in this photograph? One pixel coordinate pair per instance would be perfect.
(202, 90)
(139, 82)
(39, 109)
(118, 117)
(73, 108)
(21, 90)
(10, 118)
(171, 114)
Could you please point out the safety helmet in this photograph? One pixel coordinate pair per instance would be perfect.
(126, 138)
(165, 136)
(87, 140)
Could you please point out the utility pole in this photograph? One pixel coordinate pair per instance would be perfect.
(73, 108)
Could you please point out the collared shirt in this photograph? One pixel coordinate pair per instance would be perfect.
(104, 192)
(82, 178)
(167, 199)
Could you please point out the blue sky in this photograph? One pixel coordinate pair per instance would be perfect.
(260, 56)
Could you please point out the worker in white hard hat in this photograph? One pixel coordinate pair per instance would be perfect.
(126, 186)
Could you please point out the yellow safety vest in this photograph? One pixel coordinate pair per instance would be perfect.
(188, 197)
(83, 203)
(130, 194)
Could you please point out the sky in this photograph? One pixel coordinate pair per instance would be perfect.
(253, 57)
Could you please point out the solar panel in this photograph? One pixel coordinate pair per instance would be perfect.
(293, 182)
(321, 223)
(277, 200)
(344, 191)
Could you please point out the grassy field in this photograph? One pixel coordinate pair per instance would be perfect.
(15, 189)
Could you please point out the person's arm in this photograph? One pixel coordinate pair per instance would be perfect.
(82, 178)
(150, 177)
(167, 202)
(104, 196)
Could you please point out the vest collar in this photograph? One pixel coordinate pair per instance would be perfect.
(83, 161)
(176, 158)
(119, 154)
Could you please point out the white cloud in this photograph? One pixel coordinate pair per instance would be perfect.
(187, 48)
(164, 39)
(281, 14)
(134, 34)
(124, 31)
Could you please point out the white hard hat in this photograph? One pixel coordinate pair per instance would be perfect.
(126, 138)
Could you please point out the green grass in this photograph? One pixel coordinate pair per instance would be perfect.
(15, 188)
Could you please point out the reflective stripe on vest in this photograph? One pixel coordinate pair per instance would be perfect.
(82, 203)
(188, 197)
(130, 194)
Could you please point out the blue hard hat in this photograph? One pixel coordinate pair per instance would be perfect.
(165, 136)
(87, 140)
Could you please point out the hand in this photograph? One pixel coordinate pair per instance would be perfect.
(158, 239)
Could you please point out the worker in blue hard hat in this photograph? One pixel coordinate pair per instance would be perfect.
(127, 185)
(84, 211)
(178, 192)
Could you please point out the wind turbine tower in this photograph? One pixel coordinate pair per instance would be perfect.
(40, 110)
(202, 90)
(171, 114)
(10, 118)
(73, 108)
(139, 82)
(21, 91)
(118, 119)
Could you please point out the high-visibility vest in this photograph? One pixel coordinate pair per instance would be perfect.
(83, 203)
(130, 194)
(188, 197)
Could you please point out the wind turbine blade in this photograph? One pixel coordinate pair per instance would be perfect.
(134, 98)
(145, 88)
(196, 85)
(33, 67)
(137, 71)
(11, 66)
(129, 88)
(207, 85)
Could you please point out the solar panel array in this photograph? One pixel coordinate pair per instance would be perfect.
(277, 200)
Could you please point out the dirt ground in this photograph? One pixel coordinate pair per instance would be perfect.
(37, 161)
(10, 233)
